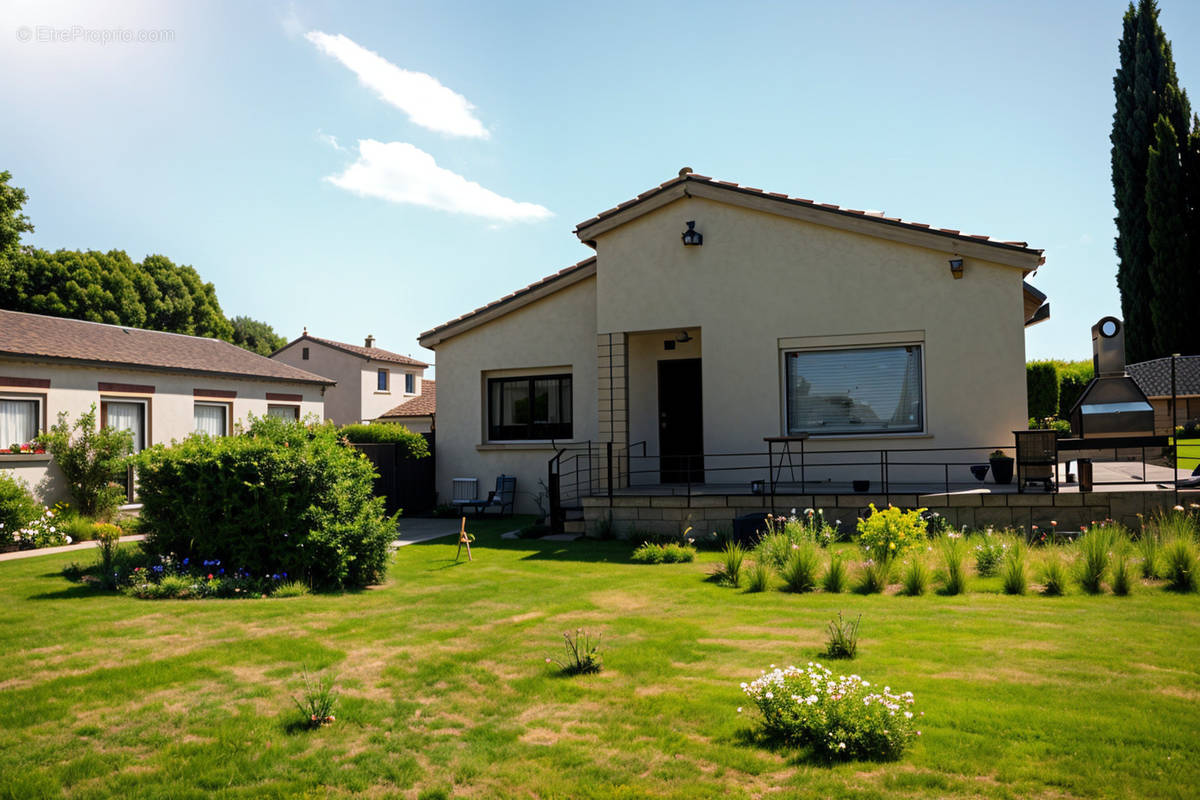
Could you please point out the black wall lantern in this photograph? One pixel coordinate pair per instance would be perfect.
(692, 237)
(956, 267)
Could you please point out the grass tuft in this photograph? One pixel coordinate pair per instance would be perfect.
(842, 639)
(799, 572)
(1180, 562)
(729, 571)
(1013, 578)
(915, 580)
(835, 579)
(953, 551)
(758, 577)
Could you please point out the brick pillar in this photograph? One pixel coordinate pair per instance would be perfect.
(613, 401)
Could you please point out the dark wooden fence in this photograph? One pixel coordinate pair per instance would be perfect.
(407, 483)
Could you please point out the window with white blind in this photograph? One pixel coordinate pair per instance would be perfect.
(211, 418)
(20, 420)
(286, 413)
(126, 415)
(866, 390)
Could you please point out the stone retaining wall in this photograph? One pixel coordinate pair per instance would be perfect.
(708, 513)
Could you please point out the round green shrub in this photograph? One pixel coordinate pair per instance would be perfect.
(281, 498)
(17, 506)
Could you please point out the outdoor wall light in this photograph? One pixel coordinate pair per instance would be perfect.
(683, 337)
(692, 237)
(956, 267)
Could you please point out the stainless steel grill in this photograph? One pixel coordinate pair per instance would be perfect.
(1112, 406)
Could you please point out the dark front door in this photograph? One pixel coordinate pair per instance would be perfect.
(680, 421)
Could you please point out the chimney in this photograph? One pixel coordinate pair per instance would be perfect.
(370, 342)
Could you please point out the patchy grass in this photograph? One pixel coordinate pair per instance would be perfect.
(444, 690)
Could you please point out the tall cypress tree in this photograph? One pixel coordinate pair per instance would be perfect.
(1170, 241)
(1146, 88)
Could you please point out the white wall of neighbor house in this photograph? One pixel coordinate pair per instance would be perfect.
(762, 283)
(551, 336)
(414, 424)
(376, 401)
(169, 410)
(343, 400)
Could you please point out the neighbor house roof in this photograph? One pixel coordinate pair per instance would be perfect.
(423, 405)
(1154, 377)
(79, 342)
(372, 353)
(689, 184)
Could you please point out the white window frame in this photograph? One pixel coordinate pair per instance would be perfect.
(863, 345)
(295, 409)
(227, 407)
(39, 400)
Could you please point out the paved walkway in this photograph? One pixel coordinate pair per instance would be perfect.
(66, 548)
(422, 529)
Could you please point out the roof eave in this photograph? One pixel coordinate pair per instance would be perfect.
(86, 362)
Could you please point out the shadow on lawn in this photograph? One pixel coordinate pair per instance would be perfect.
(580, 550)
(795, 754)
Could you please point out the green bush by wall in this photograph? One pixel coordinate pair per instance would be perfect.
(281, 498)
(385, 433)
(1041, 383)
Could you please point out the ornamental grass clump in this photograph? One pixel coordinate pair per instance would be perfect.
(840, 717)
(583, 657)
(874, 576)
(915, 579)
(1122, 574)
(1054, 575)
(952, 548)
(758, 577)
(729, 571)
(1095, 550)
(1013, 577)
(1149, 547)
(835, 578)
(799, 572)
(319, 698)
(1180, 564)
(842, 641)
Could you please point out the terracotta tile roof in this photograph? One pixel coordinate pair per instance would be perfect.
(37, 336)
(783, 198)
(423, 405)
(373, 353)
(1154, 377)
(508, 298)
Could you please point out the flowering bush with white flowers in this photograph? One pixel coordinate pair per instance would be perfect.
(841, 716)
(41, 532)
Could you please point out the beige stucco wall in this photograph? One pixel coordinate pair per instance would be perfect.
(355, 397)
(760, 281)
(73, 389)
(556, 334)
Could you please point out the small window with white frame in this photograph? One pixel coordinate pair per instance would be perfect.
(20, 420)
(383, 380)
(410, 383)
(854, 391)
(127, 415)
(211, 418)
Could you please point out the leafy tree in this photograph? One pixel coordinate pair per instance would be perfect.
(257, 337)
(12, 222)
(1146, 88)
(91, 459)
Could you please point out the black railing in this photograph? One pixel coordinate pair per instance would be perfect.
(604, 469)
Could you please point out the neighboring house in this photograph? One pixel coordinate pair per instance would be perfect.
(370, 380)
(418, 413)
(1154, 379)
(788, 317)
(161, 386)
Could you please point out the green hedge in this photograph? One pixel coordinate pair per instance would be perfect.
(1041, 383)
(1073, 378)
(281, 498)
(386, 433)
(18, 508)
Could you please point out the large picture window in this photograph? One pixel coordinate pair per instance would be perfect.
(859, 391)
(534, 407)
(19, 420)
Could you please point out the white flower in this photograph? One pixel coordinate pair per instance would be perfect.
(69, 540)
(769, 696)
(740, 710)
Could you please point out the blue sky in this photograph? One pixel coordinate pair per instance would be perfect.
(489, 130)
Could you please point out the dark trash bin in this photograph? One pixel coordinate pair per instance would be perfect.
(749, 527)
(1084, 467)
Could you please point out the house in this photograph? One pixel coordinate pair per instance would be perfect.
(161, 386)
(370, 380)
(1154, 379)
(418, 413)
(714, 316)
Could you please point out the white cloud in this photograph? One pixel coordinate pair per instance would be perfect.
(331, 140)
(402, 173)
(426, 101)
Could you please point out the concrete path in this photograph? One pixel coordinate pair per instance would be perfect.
(66, 548)
(422, 529)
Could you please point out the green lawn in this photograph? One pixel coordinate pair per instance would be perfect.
(446, 692)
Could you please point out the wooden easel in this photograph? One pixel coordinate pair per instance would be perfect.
(464, 539)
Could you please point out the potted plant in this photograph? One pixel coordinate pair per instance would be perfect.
(1002, 466)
